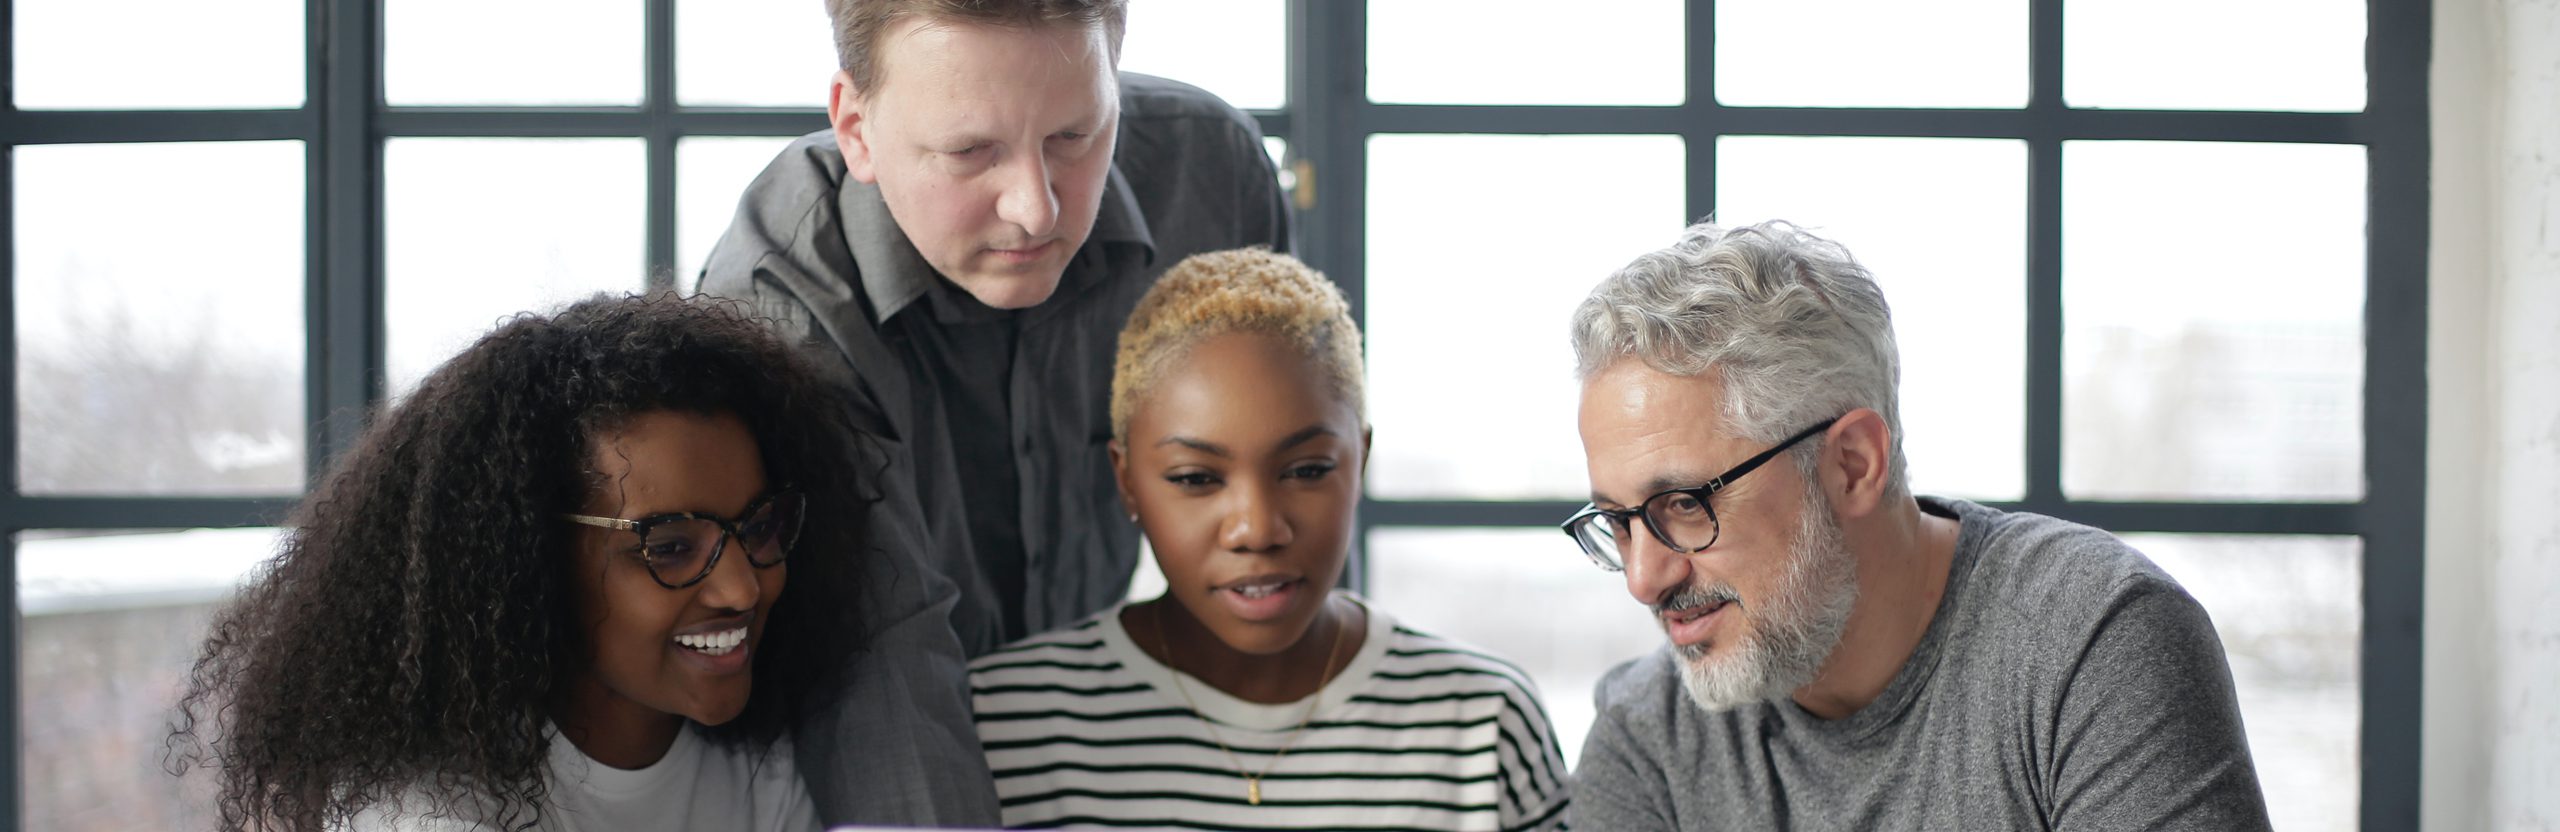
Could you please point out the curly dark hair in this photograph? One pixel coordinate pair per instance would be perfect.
(402, 645)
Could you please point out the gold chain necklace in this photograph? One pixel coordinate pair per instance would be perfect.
(1252, 782)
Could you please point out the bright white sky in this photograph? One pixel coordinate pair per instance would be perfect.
(233, 265)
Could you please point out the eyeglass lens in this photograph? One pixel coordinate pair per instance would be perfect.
(1680, 518)
(679, 550)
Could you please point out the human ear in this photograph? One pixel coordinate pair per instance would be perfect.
(1857, 468)
(1120, 477)
(845, 113)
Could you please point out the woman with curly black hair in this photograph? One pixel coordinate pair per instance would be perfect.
(547, 589)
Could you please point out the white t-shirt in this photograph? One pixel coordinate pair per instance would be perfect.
(697, 785)
(1084, 729)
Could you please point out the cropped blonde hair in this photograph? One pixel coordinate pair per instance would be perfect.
(1246, 290)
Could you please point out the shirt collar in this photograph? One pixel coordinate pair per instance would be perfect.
(894, 274)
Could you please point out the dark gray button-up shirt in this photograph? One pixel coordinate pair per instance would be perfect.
(998, 516)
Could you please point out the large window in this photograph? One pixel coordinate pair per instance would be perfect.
(2156, 267)
(2127, 247)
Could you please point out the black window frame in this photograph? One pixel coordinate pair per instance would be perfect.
(1328, 119)
(1329, 87)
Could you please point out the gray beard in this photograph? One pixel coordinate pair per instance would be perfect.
(1793, 630)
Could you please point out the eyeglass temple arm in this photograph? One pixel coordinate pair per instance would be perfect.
(1748, 465)
(602, 522)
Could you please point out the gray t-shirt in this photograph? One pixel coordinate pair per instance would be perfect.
(2064, 683)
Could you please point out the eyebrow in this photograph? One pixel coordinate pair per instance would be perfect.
(1303, 436)
(1201, 445)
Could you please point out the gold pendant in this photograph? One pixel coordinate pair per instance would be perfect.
(1253, 790)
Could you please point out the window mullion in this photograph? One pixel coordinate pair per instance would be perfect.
(2044, 259)
(2391, 680)
(1328, 91)
(659, 131)
(1700, 112)
(344, 294)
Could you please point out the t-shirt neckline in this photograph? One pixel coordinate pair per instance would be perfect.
(581, 771)
(1227, 710)
(1908, 682)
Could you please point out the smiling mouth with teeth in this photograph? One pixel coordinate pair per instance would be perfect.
(714, 644)
(1260, 589)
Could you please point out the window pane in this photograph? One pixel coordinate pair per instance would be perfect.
(2213, 341)
(111, 622)
(2215, 54)
(2289, 615)
(87, 55)
(1522, 52)
(1957, 284)
(1871, 53)
(481, 229)
(511, 52)
(754, 53)
(160, 357)
(1471, 584)
(1237, 49)
(1474, 270)
(711, 173)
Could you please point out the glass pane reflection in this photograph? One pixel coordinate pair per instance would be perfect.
(1871, 53)
(1627, 52)
(2305, 55)
(112, 622)
(1475, 266)
(87, 55)
(481, 229)
(754, 53)
(1238, 50)
(2213, 333)
(511, 52)
(162, 357)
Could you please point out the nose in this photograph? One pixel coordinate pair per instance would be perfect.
(1254, 521)
(1652, 569)
(734, 583)
(1028, 201)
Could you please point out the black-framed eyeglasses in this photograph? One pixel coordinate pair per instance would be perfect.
(1682, 518)
(681, 548)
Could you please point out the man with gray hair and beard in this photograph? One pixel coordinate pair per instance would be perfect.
(1844, 655)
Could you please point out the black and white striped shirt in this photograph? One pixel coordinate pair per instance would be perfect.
(1083, 729)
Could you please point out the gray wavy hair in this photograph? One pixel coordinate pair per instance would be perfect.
(1798, 331)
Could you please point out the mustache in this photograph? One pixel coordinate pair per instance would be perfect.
(1693, 596)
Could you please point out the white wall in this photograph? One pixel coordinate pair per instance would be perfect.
(2492, 755)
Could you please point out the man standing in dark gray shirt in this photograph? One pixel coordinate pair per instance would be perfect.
(963, 246)
(1844, 655)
